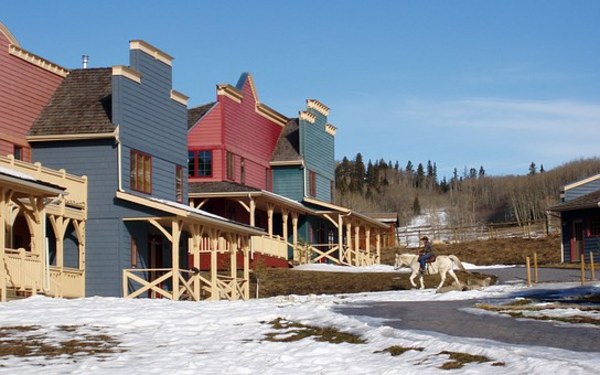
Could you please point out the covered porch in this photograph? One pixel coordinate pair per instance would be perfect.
(42, 223)
(278, 216)
(359, 237)
(192, 232)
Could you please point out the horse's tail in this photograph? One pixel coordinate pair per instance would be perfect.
(457, 261)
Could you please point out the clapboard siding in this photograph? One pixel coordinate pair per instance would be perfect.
(288, 181)
(151, 122)
(237, 128)
(24, 91)
(581, 190)
(317, 148)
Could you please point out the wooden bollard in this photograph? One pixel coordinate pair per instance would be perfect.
(536, 275)
(592, 267)
(528, 271)
(582, 263)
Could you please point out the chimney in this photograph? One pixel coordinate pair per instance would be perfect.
(84, 61)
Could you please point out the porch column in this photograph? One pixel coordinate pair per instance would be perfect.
(270, 209)
(252, 212)
(246, 250)
(378, 247)
(349, 243)
(295, 235)
(214, 241)
(176, 233)
(340, 228)
(233, 263)
(368, 240)
(359, 253)
(284, 223)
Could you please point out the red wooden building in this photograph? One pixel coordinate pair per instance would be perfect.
(27, 82)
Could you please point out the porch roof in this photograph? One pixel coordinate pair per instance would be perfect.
(590, 200)
(233, 190)
(194, 215)
(29, 183)
(330, 207)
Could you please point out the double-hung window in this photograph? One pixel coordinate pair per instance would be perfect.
(312, 183)
(140, 172)
(179, 184)
(200, 163)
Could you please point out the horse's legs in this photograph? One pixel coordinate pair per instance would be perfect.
(412, 279)
(421, 280)
(443, 277)
(451, 271)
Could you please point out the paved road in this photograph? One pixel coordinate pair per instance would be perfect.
(426, 316)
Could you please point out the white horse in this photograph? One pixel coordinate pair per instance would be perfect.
(442, 264)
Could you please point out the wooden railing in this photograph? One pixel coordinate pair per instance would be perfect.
(22, 270)
(331, 253)
(271, 246)
(67, 283)
(158, 283)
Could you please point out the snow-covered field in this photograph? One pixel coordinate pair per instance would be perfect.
(116, 336)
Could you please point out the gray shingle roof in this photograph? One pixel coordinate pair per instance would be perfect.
(288, 144)
(196, 113)
(218, 187)
(80, 105)
(591, 200)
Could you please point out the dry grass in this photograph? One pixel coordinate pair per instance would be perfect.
(295, 332)
(396, 350)
(69, 342)
(458, 360)
(494, 251)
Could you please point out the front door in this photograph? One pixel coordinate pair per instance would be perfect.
(577, 241)
(155, 249)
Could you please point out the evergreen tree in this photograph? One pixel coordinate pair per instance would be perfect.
(357, 182)
(542, 170)
(416, 207)
(532, 169)
(420, 176)
(481, 172)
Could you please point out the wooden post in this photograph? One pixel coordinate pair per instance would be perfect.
(535, 269)
(527, 264)
(582, 263)
(592, 270)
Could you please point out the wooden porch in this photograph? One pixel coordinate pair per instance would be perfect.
(45, 199)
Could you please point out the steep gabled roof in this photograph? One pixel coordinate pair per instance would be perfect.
(196, 113)
(288, 144)
(591, 200)
(80, 105)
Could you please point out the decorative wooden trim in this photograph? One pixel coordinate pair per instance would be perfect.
(11, 38)
(121, 70)
(317, 106)
(179, 97)
(151, 50)
(287, 163)
(37, 60)
(307, 116)
(582, 182)
(70, 137)
(271, 114)
(230, 92)
(329, 128)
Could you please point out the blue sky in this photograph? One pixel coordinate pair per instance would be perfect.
(498, 84)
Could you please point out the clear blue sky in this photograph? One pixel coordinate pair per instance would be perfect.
(461, 83)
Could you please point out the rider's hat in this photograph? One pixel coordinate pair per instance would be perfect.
(424, 238)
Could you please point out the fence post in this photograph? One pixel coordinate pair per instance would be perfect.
(592, 270)
(535, 269)
(582, 263)
(527, 264)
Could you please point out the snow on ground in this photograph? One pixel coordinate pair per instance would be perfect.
(166, 337)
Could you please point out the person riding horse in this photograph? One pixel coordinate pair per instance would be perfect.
(425, 253)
